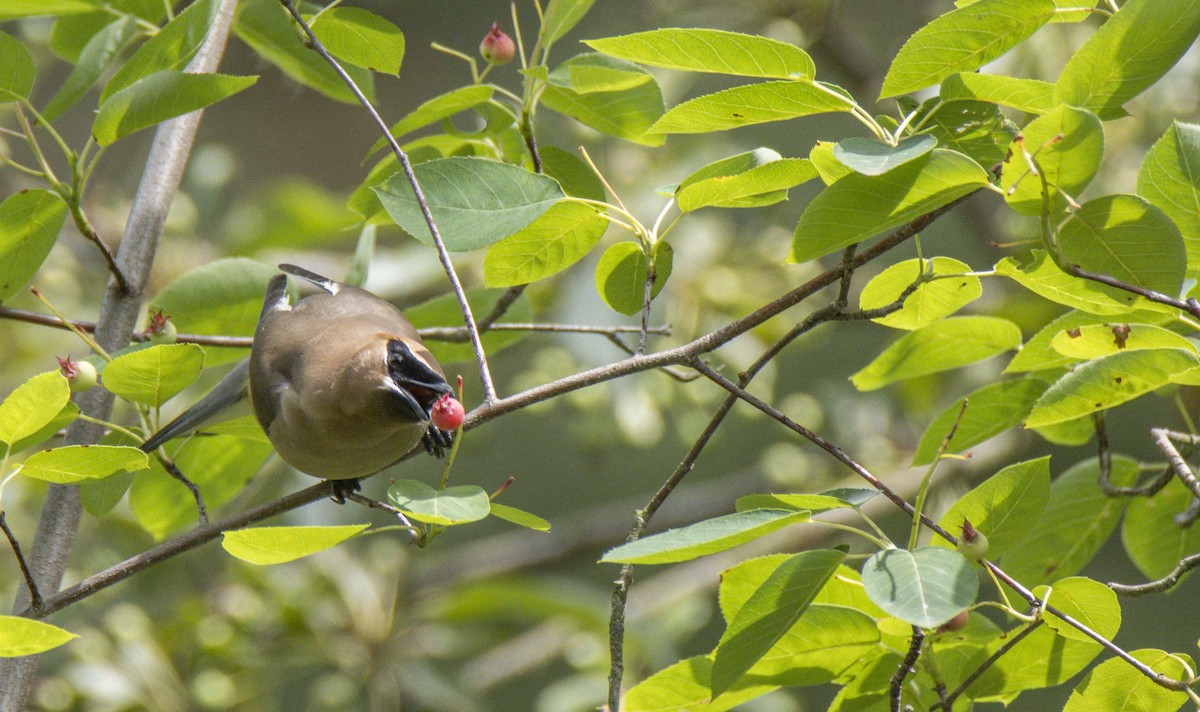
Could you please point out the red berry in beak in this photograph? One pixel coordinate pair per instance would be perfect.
(447, 413)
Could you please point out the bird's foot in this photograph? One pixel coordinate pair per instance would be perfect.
(437, 441)
(343, 489)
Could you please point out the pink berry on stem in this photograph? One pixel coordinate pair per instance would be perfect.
(497, 48)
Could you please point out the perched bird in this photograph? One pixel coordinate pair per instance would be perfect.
(340, 382)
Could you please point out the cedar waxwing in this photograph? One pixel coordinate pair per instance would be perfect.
(341, 382)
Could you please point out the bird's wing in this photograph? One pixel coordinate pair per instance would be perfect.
(228, 400)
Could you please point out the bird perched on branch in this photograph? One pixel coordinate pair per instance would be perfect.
(340, 382)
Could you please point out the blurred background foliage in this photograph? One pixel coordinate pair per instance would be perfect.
(491, 618)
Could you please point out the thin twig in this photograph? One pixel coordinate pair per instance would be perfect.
(1165, 440)
(647, 292)
(1189, 306)
(485, 375)
(1185, 565)
(89, 233)
(1104, 458)
(948, 702)
(505, 301)
(671, 371)
(906, 667)
(384, 506)
(35, 596)
(175, 472)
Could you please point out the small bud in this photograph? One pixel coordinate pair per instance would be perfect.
(973, 544)
(81, 375)
(447, 413)
(161, 330)
(497, 48)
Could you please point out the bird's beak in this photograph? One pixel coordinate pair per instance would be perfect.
(414, 383)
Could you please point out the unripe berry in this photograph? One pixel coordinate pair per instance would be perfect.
(161, 330)
(497, 48)
(973, 544)
(81, 375)
(447, 413)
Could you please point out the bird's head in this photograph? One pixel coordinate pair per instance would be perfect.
(414, 379)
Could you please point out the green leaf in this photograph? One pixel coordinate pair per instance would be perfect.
(1089, 602)
(810, 503)
(16, 69)
(1032, 96)
(152, 376)
(1153, 540)
(64, 418)
(1067, 144)
(976, 129)
(857, 206)
(161, 96)
(1038, 354)
(942, 346)
(622, 271)
(95, 58)
(925, 588)
(1040, 659)
(444, 311)
(475, 202)
(11, 9)
(221, 297)
(266, 26)
(769, 613)
(1076, 523)
(32, 406)
(963, 40)
(716, 51)
(1170, 179)
(172, 47)
(930, 302)
(29, 225)
(557, 239)
(1107, 382)
(687, 685)
(751, 179)
(1041, 276)
(1116, 686)
(560, 17)
(626, 114)
(702, 538)
(1128, 54)
(1096, 340)
(454, 505)
(361, 38)
(592, 73)
(276, 545)
(1125, 237)
(990, 411)
(577, 179)
(872, 157)
(438, 108)
(1004, 507)
(829, 168)
(519, 517)
(822, 646)
(77, 463)
(751, 104)
(24, 636)
(220, 465)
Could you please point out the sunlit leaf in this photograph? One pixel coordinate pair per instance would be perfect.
(1170, 179)
(1066, 144)
(557, 239)
(704, 50)
(276, 545)
(1004, 507)
(160, 96)
(454, 505)
(622, 272)
(932, 300)
(702, 538)
(29, 225)
(361, 38)
(152, 376)
(1116, 686)
(990, 411)
(1032, 96)
(32, 406)
(925, 588)
(942, 346)
(751, 104)
(77, 463)
(24, 636)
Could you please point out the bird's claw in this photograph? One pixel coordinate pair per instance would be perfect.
(343, 489)
(437, 441)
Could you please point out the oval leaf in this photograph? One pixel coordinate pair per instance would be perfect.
(1116, 686)
(29, 225)
(962, 40)
(750, 104)
(276, 545)
(1041, 276)
(1067, 145)
(519, 517)
(752, 179)
(925, 588)
(152, 376)
(931, 301)
(172, 47)
(702, 538)
(856, 206)
(1096, 340)
(23, 636)
(1004, 507)
(871, 157)
(1170, 179)
(769, 612)
(32, 406)
(716, 51)
(16, 69)
(1108, 381)
(438, 108)
(76, 463)
(1032, 96)
(474, 201)
(941, 346)
(1125, 237)
(990, 411)
(361, 38)
(1087, 601)
(161, 96)
(453, 505)
(559, 238)
(621, 275)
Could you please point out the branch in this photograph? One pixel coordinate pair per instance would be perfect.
(1165, 440)
(119, 311)
(485, 375)
(1185, 565)
(906, 666)
(35, 596)
(1104, 456)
